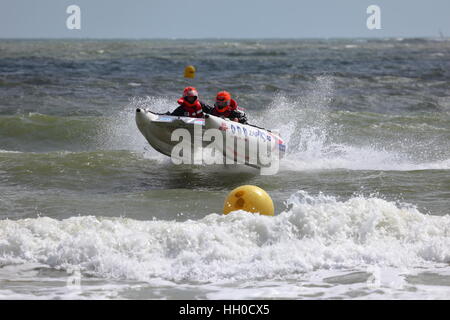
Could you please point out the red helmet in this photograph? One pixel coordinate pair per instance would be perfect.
(223, 100)
(190, 92)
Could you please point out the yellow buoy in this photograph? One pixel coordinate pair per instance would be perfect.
(249, 198)
(189, 72)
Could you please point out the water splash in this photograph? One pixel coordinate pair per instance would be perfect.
(119, 131)
(315, 138)
(314, 132)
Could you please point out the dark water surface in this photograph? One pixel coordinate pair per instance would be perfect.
(363, 194)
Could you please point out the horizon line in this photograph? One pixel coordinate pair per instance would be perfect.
(226, 38)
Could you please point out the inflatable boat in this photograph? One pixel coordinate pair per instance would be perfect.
(181, 138)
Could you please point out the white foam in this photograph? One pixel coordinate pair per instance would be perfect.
(9, 151)
(315, 233)
(306, 124)
(318, 157)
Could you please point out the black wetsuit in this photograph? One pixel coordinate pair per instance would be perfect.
(233, 114)
(180, 112)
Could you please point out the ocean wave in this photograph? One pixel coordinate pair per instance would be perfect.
(9, 151)
(313, 233)
(354, 158)
(35, 132)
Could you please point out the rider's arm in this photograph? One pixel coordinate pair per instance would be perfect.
(178, 112)
(240, 115)
(206, 108)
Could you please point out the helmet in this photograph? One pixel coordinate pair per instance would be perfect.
(190, 92)
(190, 95)
(223, 100)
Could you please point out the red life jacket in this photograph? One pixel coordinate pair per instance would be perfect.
(193, 110)
(227, 112)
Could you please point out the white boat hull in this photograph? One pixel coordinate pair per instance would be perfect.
(236, 142)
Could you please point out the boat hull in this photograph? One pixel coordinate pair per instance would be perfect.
(237, 143)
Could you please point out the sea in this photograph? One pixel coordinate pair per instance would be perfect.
(89, 210)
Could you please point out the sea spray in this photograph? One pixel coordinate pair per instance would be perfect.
(318, 136)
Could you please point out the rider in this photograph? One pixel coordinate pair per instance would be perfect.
(190, 105)
(226, 107)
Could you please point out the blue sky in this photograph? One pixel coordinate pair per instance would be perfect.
(223, 19)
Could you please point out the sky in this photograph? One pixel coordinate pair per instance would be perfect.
(224, 19)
